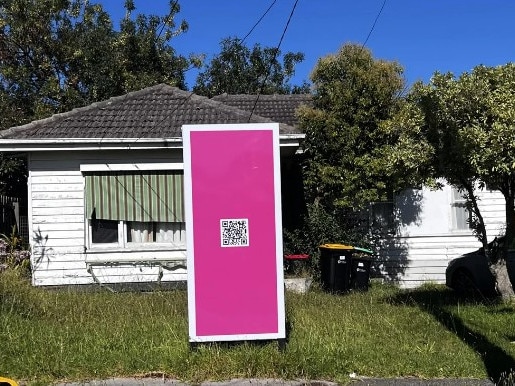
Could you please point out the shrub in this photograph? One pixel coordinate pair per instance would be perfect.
(321, 226)
(14, 254)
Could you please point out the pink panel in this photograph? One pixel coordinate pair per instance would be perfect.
(233, 178)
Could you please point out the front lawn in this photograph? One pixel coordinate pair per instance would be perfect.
(46, 336)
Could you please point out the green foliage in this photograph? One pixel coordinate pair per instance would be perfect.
(60, 54)
(469, 123)
(14, 254)
(13, 176)
(57, 55)
(238, 69)
(18, 297)
(319, 227)
(356, 152)
(354, 96)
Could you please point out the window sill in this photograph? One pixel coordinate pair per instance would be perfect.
(135, 248)
(461, 231)
(170, 256)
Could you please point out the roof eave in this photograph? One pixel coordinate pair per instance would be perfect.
(88, 144)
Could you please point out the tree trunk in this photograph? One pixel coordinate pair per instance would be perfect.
(510, 219)
(498, 263)
(479, 226)
(504, 286)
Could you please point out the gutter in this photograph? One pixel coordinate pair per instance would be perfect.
(62, 144)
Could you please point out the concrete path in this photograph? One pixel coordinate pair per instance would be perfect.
(278, 382)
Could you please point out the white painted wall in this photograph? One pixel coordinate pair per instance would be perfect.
(57, 222)
(417, 253)
(427, 239)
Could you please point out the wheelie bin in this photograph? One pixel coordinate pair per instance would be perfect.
(344, 267)
(360, 272)
(335, 267)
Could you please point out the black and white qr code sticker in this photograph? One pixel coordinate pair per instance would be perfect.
(234, 232)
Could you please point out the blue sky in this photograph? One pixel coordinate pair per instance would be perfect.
(424, 36)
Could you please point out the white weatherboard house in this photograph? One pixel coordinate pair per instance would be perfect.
(105, 185)
(424, 229)
(105, 192)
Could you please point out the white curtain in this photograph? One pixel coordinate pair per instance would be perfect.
(170, 232)
(141, 232)
(157, 232)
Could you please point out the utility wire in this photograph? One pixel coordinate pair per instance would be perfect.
(264, 81)
(273, 59)
(242, 40)
(167, 20)
(374, 24)
(259, 21)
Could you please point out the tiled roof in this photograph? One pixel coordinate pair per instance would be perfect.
(279, 108)
(154, 112)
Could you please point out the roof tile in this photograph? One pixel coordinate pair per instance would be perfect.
(156, 112)
(277, 107)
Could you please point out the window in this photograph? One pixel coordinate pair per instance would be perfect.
(135, 209)
(461, 215)
(383, 216)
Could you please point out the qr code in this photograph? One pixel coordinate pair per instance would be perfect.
(234, 232)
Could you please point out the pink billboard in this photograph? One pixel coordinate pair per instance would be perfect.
(234, 232)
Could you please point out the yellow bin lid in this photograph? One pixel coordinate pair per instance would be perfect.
(336, 246)
(6, 381)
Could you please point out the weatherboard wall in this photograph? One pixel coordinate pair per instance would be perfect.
(417, 253)
(58, 226)
(426, 238)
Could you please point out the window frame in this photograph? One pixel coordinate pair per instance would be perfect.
(459, 205)
(376, 224)
(123, 243)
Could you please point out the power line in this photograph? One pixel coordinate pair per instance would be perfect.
(242, 40)
(273, 59)
(167, 20)
(373, 25)
(259, 21)
(264, 80)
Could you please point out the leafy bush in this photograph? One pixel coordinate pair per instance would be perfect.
(14, 254)
(321, 226)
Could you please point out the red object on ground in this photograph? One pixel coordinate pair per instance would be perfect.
(296, 257)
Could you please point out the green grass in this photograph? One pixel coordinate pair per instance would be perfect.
(46, 336)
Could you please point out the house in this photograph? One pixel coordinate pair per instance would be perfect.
(105, 185)
(422, 229)
(79, 236)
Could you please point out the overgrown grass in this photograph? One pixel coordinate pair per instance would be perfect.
(47, 336)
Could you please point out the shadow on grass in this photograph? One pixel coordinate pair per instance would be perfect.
(437, 303)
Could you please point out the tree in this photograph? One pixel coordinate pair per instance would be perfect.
(348, 138)
(13, 176)
(350, 135)
(56, 55)
(59, 54)
(238, 69)
(470, 123)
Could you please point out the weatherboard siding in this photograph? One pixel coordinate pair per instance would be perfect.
(418, 253)
(58, 227)
(427, 240)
